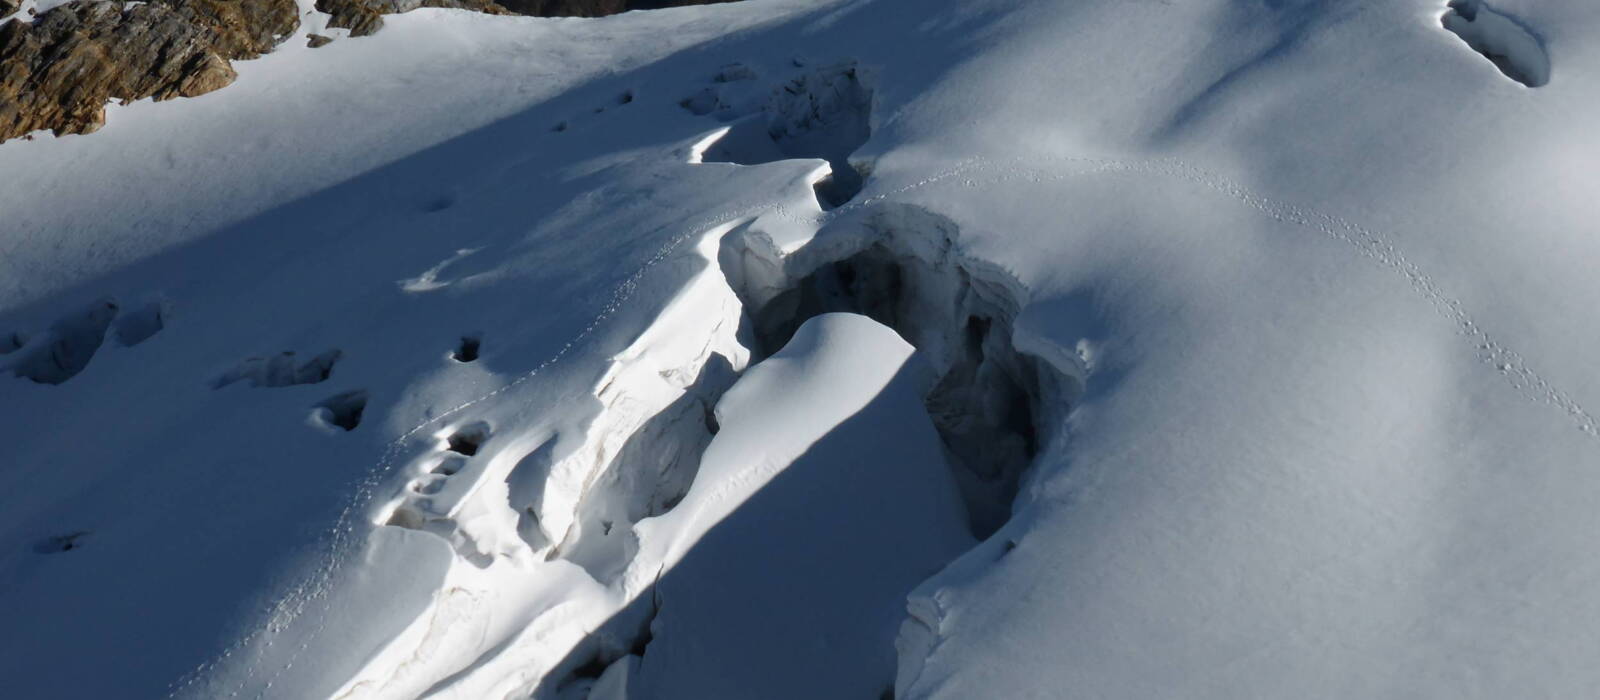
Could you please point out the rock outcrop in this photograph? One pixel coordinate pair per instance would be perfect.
(59, 71)
(241, 29)
(363, 17)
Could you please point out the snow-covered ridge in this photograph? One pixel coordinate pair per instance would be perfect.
(1251, 338)
(514, 508)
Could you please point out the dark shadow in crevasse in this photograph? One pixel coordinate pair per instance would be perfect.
(650, 474)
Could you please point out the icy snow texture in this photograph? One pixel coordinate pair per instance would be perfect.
(1329, 270)
(797, 589)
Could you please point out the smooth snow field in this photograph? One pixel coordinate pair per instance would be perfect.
(821, 349)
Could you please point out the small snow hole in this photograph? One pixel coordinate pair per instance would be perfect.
(60, 543)
(467, 351)
(448, 467)
(466, 441)
(344, 410)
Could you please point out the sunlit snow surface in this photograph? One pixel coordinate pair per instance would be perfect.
(1295, 302)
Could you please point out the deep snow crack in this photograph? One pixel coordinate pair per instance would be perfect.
(1501, 38)
(971, 172)
(994, 406)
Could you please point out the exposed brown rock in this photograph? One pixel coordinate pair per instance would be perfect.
(59, 71)
(358, 16)
(211, 72)
(317, 40)
(241, 28)
(363, 17)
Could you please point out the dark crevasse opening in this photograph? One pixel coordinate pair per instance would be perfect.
(1501, 38)
(824, 114)
(994, 406)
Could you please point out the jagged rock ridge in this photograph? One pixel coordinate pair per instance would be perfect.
(59, 71)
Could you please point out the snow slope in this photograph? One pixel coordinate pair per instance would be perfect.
(1252, 339)
(825, 551)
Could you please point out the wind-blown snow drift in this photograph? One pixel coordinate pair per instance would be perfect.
(1258, 334)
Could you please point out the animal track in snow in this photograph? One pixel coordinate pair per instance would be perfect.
(1501, 39)
(1375, 245)
(342, 410)
(467, 439)
(448, 466)
(623, 98)
(280, 370)
(430, 504)
(428, 484)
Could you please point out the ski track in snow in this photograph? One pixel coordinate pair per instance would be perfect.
(972, 173)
